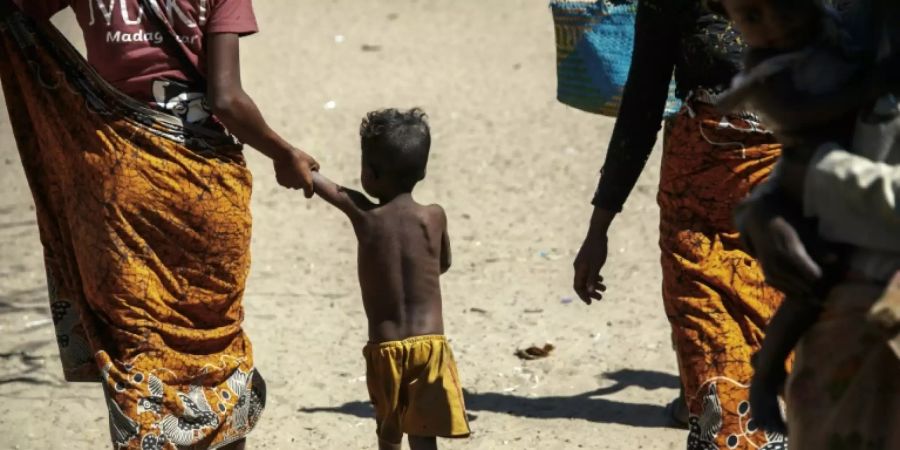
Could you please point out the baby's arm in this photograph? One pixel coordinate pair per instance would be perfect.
(351, 202)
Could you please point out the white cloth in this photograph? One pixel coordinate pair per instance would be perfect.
(854, 195)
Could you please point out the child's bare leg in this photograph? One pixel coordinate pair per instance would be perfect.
(385, 445)
(237, 445)
(422, 443)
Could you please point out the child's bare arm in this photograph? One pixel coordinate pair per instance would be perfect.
(351, 202)
(446, 257)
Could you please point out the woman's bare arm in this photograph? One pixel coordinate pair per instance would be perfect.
(231, 104)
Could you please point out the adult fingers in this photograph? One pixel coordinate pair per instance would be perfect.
(598, 288)
(590, 284)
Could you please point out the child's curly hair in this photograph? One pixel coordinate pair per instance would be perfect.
(396, 144)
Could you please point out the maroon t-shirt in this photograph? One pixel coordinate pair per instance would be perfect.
(126, 47)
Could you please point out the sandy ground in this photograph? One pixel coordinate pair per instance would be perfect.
(515, 171)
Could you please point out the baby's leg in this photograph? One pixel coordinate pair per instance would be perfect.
(790, 322)
(422, 443)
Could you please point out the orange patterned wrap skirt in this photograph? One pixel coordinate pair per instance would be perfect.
(715, 294)
(146, 230)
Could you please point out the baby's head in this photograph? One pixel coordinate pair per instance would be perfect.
(395, 146)
(800, 71)
(778, 25)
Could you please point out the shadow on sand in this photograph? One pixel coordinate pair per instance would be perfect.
(588, 406)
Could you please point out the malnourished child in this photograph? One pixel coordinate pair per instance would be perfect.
(403, 250)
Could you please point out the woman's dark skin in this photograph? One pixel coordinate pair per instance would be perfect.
(237, 111)
(592, 257)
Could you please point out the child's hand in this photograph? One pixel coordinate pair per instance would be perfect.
(294, 171)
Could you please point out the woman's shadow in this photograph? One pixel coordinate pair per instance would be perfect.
(590, 406)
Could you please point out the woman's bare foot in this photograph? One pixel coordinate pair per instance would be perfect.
(678, 412)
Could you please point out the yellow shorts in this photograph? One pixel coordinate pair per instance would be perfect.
(415, 389)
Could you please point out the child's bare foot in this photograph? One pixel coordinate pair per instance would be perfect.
(422, 443)
(764, 390)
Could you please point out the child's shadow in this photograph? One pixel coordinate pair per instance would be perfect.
(586, 406)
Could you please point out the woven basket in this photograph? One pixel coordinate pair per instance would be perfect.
(594, 42)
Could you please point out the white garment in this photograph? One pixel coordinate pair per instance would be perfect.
(854, 195)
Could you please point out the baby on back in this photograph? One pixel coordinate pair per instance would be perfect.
(403, 250)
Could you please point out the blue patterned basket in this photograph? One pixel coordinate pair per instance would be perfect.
(594, 42)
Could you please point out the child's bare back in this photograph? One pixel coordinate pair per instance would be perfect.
(403, 250)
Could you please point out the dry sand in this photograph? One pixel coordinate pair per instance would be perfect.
(515, 171)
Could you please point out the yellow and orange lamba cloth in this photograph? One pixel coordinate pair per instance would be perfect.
(714, 292)
(145, 224)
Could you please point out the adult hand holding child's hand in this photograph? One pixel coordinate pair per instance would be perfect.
(294, 170)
